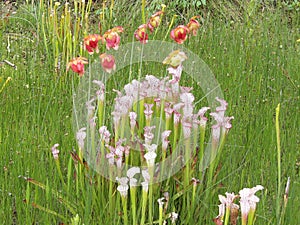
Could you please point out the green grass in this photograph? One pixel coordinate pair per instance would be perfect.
(257, 66)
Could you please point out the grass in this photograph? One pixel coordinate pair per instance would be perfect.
(257, 65)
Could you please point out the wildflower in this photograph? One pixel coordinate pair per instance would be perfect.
(91, 43)
(201, 113)
(168, 110)
(141, 34)
(55, 151)
(150, 158)
(160, 201)
(195, 181)
(173, 217)
(112, 37)
(164, 137)
(77, 65)
(154, 20)
(248, 200)
(132, 117)
(145, 183)
(80, 136)
(101, 92)
(148, 134)
(176, 74)
(175, 59)
(116, 153)
(228, 200)
(104, 134)
(179, 34)
(123, 187)
(131, 173)
(187, 99)
(193, 25)
(108, 62)
(148, 111)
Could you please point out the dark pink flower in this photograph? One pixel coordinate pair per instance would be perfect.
(91, 43)
(77, 65)
(112, 37)
(179, 34)
(141, 34)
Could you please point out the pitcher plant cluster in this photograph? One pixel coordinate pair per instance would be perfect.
(158, 140)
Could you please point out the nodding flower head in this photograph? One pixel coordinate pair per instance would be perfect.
(193, 25)
(91, 43)
(141, 34)
(108, 62)
(154, 20)
(112, 37)
(179, 34)
(175, 59)
(77, 65)
(249, 199)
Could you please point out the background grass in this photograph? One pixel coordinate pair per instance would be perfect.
(255, 58)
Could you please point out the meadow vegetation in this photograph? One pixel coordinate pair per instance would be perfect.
(252, 48)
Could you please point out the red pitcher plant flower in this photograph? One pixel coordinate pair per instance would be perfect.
(193, 25)
(108, 62)
(154, 20)
(112, 37)
(141, 34)
(179, 34)
(77, 65)
(91, 43)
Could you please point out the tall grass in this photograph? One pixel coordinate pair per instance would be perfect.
(257, 66)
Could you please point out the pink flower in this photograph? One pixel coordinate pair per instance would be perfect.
(201, 113)
(108, 62)
(141, 34)
(104, 134)
(112, 37)
(77, 65)
(179, 34)
(148, 111)
(80, 136)
(164, 137)
(148, 134)
(55, 151)
(91, 43)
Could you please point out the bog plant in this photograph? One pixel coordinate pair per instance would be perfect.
(147, 161)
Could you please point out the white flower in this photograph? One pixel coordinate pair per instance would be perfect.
(249, 199)
(123, 187)
(160, 201)
(150, 148)
(145, 186)
(150, 158)
(131, 173)
(132, 117)
(174, 217)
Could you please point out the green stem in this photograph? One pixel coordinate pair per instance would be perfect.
(143, 11)
(278, 163)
